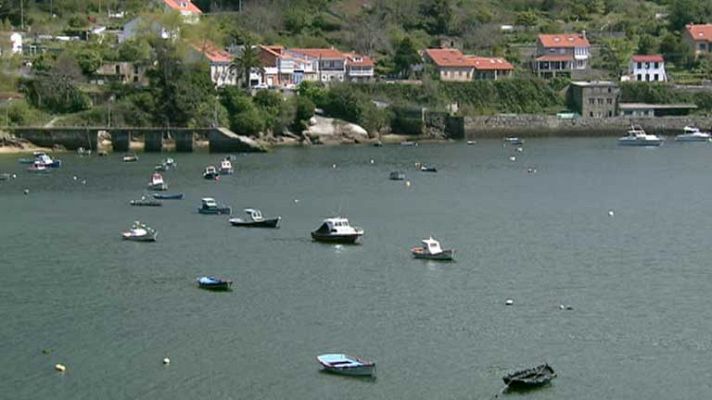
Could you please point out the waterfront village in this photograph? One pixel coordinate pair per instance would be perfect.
(173, 66)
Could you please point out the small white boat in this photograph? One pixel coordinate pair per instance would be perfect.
(514, 140)
(210, 173)
(636, 136)
(431, 250)
(130, 158)
(38, 167)
(140, 232)
(345, 364)
(255, 220)
(44, 158)
(170, 163)
(157, 182)
(693, 134)
(226, 167)
(337, 230)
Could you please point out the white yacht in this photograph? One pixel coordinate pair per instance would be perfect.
(692, 134)
(337, 230)
(226, 167)
(140, 232)
(636, 136)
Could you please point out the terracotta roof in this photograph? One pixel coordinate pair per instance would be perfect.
(449, 58)
(273, 50)
(700, 32)
(490, 63)
(319, 53)
(212, 52)
(564, 40)
(183, 5)
(648, 58)
(357, 59)
(556, 57)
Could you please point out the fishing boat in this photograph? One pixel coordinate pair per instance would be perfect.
(514, 140)
(471, 142)
(140, 232)
(408, 143)
(692, 134)
(428, 168)
(157, 182)
(431, 250)
(255, 220)
(160, 167)
(530, 378)
(337, 230)
(5, 176)
(44, 158)
(210, 172)
(344, 364)
(144, 202)
(213, 283)
(636, 136)
(168, 196)
(83, 152)
(396, 176)
(169, 162)
(129, 157)
(210, 206)
(226, 167)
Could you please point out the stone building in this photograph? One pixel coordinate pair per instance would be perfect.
(596, 99)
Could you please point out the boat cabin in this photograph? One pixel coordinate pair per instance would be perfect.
(432, 246)
(255, 215)
(209, 202)
(335, 225)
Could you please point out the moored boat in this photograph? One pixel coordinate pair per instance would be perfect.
(168, 196)
(169, 162)
(636, 136)
(693, 134)
(160, 167)
(513, 140)
(428, 168)
(44, 159)
(81, 151)
(210, 206)
(431, 250)
(144, 202)
(38, 167)
(337, 230)
(255, 220)
(140, 232)
(226, 167)
(530, 378)
(344, 364)
(396, 176)
(157, 182)
(210, 172)
(129, 157)
(408, 143)
(213, 283)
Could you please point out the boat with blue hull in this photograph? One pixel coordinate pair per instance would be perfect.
(168, 196)
(213, 283)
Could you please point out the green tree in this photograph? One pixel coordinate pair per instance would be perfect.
(405, 57)
(527, 18)
(615, 54)
(304, 111)
(676, 51)
(248, 122)
(436, 16)
(89, 59)
(248, 60)
(647, 44)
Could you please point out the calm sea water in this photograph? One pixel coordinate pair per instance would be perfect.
(638, 282)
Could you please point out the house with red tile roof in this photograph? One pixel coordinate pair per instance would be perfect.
(699, 38)
(646, 68)
(331, 63)
(453, 65)
(561, 54)
(190, 12)
(219, 60)
(289, 67)
(358, 68)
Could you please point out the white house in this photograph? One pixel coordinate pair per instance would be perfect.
(11, 43)
(219, 60)
(647, 68)
(190, 12)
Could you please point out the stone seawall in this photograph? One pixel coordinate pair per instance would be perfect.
(546, 125)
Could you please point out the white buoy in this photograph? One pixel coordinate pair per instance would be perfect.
(14, 176)
(562, 307)
(84, 181)
(509, 302)
(611, 213)
(296, 200)
(520, 149)
(407, 183)
(512, 158)
(372, 161)
(26, 191)
(166, 361)
(60, 368)
(74, 177)
(333, 165)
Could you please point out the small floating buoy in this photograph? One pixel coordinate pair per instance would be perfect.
(372, 161)
(333, 165)
(60, 368)
(166, 361)
(84, 181)
(520, 149)
(512, 158)
(509, 302)
(296, 200)
(611, 213)
(26, 191)
(74, 177)
(407, 183)
(565, 307)
(14, 176)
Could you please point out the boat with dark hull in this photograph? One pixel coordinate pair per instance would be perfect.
(157, 182)
(337, 230)
(211, 173)
(213, 283)
(168, 196)
(255, 220)
(431, 250)
(140, 232)
(396, 176)
(530, 378)
(211, 207)
(144, 202)
(344, 364)
(129, 157)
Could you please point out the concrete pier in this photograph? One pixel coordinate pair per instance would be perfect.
(153, 141)
(184, 141)
(120, 141)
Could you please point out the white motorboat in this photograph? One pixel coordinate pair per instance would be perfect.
(38, 167)
(636, 136)
(337, 230)
(211, 173)
(129, 157)
(344, 364)
(157, 182)
(693, 134)
(140, 232)
(46, 160)
(255, 220)
(431, 250)
(226, 167)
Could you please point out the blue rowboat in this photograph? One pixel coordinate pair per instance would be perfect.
(168, 196)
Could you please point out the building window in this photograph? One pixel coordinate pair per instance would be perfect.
(600, 101)
(656, 77)
(609, 101)
(656, 65)
(647, 77)
(592, 101)
(590, 114)
(640, 65)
